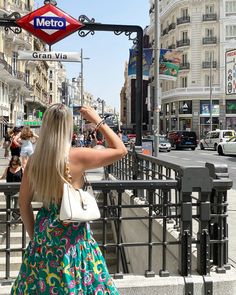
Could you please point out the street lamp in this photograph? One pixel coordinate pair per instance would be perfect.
(82, 82)
(156, 107)
(210, 82)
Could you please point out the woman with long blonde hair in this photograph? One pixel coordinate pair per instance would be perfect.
(62, 258)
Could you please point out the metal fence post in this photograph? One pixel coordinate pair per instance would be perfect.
(219, 225)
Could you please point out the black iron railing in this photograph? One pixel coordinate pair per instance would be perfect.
(192, 201)
(198, 200)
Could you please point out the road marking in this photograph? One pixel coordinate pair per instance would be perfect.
(201, 161)
(206, 154)
(186, 159)
(172, 157)
(233, 168)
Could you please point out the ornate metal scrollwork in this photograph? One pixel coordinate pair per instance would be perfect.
(84, 19)
(135, 40)
(11, 17)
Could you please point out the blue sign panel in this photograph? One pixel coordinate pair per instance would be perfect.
(49, 23)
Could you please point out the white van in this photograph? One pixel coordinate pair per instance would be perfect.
(213, 138)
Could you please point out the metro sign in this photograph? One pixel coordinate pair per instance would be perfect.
(49, 24)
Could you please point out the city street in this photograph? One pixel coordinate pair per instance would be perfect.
(187, 157)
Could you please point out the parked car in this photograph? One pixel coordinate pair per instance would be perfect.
(183, 139)
(125, 138)
(213, 138)
(227, 147)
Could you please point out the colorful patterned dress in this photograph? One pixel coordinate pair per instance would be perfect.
(63, 259)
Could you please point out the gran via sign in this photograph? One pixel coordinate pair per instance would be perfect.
(49, 24)
(50, 55)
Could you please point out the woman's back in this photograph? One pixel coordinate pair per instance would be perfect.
(66, 252)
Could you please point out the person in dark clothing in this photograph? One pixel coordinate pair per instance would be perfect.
(13, 173)
(15, 146)
(6, 144)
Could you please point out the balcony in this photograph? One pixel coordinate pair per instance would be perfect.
(3, 62)
(209, 40)
(184, 42)
(172, 46)
(208, 64)
(209, 17)
(184, 66)
(183, 20)
(165, 31)
(172, 26)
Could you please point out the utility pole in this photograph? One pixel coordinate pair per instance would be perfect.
(156, 102)
(210, 82)
(81, 87)
(82, 84)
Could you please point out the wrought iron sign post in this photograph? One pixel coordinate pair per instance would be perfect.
(90, 26)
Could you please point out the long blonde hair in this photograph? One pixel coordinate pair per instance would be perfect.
(46, 169)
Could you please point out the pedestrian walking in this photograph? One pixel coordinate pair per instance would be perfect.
(6, 144)
(26, 139)
(13, 173)
(15, 145)
(62, 258)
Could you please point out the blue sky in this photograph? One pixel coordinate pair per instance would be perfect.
(104, 72)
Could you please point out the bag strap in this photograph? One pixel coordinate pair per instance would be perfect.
(68, 177)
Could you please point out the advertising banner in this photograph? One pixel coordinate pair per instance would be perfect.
(147, 61)
(76, 110)
(230, 72)
(169, 64)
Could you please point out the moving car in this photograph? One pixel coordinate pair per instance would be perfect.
(213, 138)
(164, 144)
(227, 147)
(183, 139)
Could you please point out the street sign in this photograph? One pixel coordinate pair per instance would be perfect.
(49, 24)
(50, 55)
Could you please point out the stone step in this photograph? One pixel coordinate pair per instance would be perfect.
(5, 289)
(15, 238)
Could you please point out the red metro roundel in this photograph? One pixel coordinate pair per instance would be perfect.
(49, 24)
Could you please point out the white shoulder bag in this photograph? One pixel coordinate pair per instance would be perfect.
(78, 205)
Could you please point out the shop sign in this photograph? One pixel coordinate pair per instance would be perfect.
(230, 72)
(49, 24)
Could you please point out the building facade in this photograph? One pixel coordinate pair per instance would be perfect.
(202, 31)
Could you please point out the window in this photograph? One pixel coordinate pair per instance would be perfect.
(231, 107)
(230, 32)
(184, 12)
(209, 56)
(184, 35)
(230, 7)
(184, 58)
(14, 62)
(209, 32)
(27, 76)
(183, 82)
(205, 107)
(173, 108)
(50, 86)
(50, 74)
(207, 81)
(167, 109)
(185, 107)
(209, 9)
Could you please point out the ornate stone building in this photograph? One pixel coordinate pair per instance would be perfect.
(203, 31)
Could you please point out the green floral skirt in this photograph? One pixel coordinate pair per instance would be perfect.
(62, 259)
